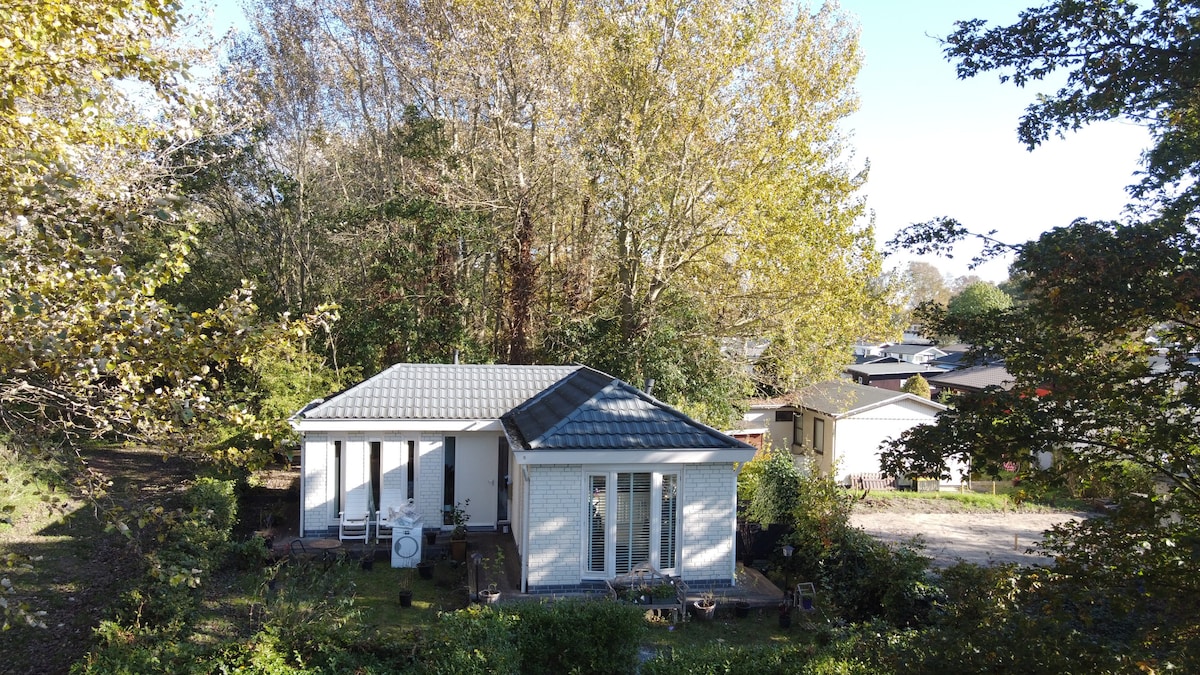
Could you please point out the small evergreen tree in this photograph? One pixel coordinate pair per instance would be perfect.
(917, 386)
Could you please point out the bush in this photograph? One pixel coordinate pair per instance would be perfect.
(759, 660)
(473, 640)
(552, 638)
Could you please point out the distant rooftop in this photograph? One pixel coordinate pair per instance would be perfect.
(839, 398)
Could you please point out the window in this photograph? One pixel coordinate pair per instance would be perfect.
(337, 479)
(448, 481)
(373, 498)
(669, 514)
(818, 437)
(785, 415)
(632, 518)
(412, 470)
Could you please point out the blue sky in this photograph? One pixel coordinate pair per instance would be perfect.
(940, 146)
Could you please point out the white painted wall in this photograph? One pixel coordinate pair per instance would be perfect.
(707, 550)
(555, 494)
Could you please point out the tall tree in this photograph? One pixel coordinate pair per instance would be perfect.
(1117, 414)
(630, 172)
(93, 115)
(976, 298)
(926, 283)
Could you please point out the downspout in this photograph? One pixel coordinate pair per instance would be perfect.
(303, 451)
(525, 531)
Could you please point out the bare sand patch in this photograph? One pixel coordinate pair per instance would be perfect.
(984, 538)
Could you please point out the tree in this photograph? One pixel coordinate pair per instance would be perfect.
(90, 233)
(591, 178)
(1121, 59)
(926, 284)
(976, 298)
(917, 386)
(1116, 411)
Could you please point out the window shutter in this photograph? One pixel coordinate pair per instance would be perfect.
(633, 520)
(597, 523)
(669, 506)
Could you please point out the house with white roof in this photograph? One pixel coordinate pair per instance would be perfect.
(592, 475)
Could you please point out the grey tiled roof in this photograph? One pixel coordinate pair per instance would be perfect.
(435, 391)
(902, 368)
(842, 397)
(975, 378)
(589, 410)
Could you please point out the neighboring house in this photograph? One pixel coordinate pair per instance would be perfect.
(869, 349)
(972, 379)
(890, 375)
(841, 425)
(767, 423)
(592, 475)
(910, 353)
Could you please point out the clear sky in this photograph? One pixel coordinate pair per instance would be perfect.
(940, 146)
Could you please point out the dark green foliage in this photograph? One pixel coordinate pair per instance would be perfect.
(674, 350)
(761, 660)
(579, 636)
(474, 640)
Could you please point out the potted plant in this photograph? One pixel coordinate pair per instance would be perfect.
(706, 606)
(741, 608)
(495, 572)
(785, 615)
(489, 595)
(458, 517)
(431, 537)
(425, 569)
(367, 561)
(405, 586)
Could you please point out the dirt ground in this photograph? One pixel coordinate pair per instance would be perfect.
(950, 535)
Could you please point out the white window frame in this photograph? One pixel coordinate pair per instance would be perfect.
(610, 525)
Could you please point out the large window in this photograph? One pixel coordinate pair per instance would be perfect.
(632, 518)
(818, 438)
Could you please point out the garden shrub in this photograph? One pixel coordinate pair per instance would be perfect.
(756, 660)
(473, 640)
(550, 636)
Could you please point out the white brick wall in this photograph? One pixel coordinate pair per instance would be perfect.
(315, 501)
(555, 495)
(431, 473)
(709, 522)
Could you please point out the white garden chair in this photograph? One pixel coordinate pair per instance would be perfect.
(352, 528)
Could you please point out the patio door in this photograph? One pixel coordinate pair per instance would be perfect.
(631, 518)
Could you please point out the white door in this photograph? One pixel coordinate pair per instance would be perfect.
(475, 477)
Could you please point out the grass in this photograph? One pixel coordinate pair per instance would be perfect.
(1005, 499)
(377, 596)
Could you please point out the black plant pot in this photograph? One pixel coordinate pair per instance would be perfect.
(431, 537)
(741, 609)
(425, 569)
(406, 598)
(785, 619)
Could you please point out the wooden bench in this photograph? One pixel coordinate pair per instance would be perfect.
(647, 587)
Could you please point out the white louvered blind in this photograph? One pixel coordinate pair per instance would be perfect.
(597, 523)
(632, 520)
(670, 511)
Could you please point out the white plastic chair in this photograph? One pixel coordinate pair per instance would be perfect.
(354, 527)
(383, 525)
